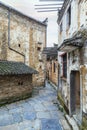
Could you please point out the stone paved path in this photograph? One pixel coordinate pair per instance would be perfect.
(40, 112)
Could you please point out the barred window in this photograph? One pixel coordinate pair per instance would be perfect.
(64, 65)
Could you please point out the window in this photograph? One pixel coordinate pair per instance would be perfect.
(61, 27)
(54, 67)
(39, 42)
(20, 83)
(38, 48)
(19, 45)
(40, 67)
(64, 65)
(69, 17)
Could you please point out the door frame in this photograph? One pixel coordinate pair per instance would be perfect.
(73, 92)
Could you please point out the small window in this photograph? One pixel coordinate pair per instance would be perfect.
(68, 17)
(40, 60)
(54, 67)
(20, 83)
(19, 45)
(64, 65)
(61, 27)
(38, 48)
(40, 66)
(39, 42)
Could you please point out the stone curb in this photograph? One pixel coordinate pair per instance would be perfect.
(72, 122)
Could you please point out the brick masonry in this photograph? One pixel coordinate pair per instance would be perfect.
(14, 88)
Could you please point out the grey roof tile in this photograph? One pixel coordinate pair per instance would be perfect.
(50, 51)
(11, 68)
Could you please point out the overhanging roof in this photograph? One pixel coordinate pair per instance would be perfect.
(50, 51)
(76, 41)
(71, 44)
(15, 68)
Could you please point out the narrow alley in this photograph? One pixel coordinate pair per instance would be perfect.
(40, 112)
(43, 42)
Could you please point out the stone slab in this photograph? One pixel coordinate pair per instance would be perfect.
(72, 122)
(50, 124)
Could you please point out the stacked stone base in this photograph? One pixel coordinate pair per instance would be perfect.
(15, 88)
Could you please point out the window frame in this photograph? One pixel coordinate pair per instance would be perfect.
(68, 22)
(54, 67)
(64, 65)
(61, 27)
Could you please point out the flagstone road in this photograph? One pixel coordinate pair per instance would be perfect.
(40, 112)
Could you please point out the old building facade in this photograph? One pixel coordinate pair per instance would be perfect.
(22, 39)
(15, 81)
(72, 56)
(51, 64)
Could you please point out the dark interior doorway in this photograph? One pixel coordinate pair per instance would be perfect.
(74, 92)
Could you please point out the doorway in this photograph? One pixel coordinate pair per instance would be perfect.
(75, 92)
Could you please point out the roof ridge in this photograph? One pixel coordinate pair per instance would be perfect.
(12, 67)
(19, 12)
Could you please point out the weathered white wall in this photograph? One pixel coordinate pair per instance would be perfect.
(83, 13)
(78, 21)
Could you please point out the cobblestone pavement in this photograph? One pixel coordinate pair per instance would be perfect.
(40, 112)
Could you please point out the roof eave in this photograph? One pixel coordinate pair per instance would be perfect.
(71, 44)
(20, 13)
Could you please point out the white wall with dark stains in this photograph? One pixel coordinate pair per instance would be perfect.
(79, 56)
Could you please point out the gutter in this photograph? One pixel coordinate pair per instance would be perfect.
(9, 37)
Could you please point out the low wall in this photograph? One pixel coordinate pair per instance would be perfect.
(14, 88)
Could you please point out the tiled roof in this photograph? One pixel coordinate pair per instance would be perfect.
(76, 41)
(15, 68)
(50, 51)
(81, 32)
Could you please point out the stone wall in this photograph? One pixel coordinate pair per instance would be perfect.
(52, 74)
(77, 57)
(3, 33)
(55, 74)
(84, 88)
(20, 38)
(78, 16)
(14, 88)
(37, 60)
